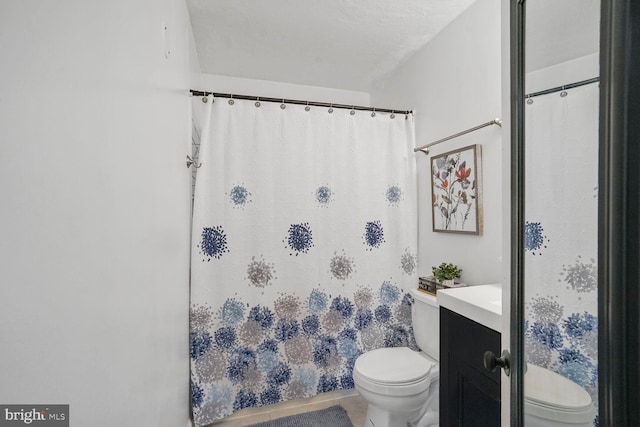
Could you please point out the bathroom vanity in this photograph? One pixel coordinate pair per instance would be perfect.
(470, 324)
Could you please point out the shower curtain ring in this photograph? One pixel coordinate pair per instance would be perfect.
(353, 111)
(330, 108)
(283, 106)
(231, 101)
(393, 115)
(373, 113)
(563, 93)
(257, 104)
(307, 108)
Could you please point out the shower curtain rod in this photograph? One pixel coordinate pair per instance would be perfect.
(564, 87)
(298, 102)
(425, 148)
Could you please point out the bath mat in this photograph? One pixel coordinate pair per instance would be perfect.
(334, 416)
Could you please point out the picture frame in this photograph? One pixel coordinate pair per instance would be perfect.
(456, 191)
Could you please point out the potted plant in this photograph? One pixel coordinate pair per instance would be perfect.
(445, 273)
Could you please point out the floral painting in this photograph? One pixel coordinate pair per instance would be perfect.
(455, 190)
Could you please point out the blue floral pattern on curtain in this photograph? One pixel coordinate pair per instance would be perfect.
(304, 248)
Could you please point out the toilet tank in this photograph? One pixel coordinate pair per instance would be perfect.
(425, 316)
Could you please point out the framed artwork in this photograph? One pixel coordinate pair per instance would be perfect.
(456, 191)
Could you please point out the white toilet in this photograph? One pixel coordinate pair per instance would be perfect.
(553, 400)
(401, 386)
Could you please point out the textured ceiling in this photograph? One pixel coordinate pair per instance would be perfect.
(329, 43)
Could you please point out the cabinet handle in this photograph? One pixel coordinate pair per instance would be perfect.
(492, 362)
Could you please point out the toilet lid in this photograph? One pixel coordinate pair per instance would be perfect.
(545, 388)
(396, 365)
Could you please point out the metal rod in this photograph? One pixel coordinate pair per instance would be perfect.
(564, 87)
(424, 148)
(299, 102)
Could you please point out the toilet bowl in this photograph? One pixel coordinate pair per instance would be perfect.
(553, 400)
(399, 384)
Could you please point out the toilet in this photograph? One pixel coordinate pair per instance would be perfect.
(553, 400)
(401, 386)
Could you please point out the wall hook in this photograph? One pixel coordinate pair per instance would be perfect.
(190, 162)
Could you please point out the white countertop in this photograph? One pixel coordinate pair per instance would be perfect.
(482, 303)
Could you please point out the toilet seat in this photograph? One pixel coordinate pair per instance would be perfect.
(396, 371)
(551, 396)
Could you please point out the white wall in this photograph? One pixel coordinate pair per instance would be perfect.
(575, 70)
(454, 83)
(94, 219)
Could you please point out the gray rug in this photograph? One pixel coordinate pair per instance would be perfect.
(334, 416)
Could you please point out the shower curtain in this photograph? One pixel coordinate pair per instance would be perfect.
(304, 248)
(561, 235)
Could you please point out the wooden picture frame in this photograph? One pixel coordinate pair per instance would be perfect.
(456, 191)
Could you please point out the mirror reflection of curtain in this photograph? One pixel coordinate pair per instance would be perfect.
(561, 235)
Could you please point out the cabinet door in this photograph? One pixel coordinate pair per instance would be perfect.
(469, 393)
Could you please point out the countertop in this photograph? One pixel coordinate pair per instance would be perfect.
(481, 303)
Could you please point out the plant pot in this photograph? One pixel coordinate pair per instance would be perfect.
(447, 283)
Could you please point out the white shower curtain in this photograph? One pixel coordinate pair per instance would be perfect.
(304, 248)
(561, 235)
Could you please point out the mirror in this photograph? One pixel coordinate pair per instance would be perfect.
(561, 210)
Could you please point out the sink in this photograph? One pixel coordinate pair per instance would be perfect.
(482, 303)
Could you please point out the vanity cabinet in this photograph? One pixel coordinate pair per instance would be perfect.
(469, 393)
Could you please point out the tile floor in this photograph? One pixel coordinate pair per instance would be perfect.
(350, 400)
